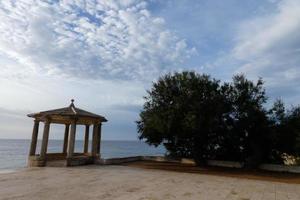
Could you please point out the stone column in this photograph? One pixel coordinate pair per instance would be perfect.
(45, 140)
(67, 127)
(34, 138)
(99, 139)
(86, 139)
(95, 138)
(71, 141)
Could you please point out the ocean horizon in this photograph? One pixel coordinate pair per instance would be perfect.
(14, 152)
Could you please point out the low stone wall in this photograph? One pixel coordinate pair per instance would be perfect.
(159, 159)
(217, 163)
(115, 161)
(214, 163)
(280, 168)
(85, 159)
(221, 163)
(188, 161)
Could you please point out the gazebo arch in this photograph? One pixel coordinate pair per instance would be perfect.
(70, 116)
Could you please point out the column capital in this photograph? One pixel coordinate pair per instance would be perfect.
(47, 121)
(97, 124)
(74, 119)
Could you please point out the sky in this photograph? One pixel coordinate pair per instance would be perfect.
(106, 54)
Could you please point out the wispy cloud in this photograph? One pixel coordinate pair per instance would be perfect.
(106, 39)
(106, 53)
(269, 46)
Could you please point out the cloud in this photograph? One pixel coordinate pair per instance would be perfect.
(98, 53)
(106, 53)
(117, 100)
(277, 32)
(269, 46)
(89, 39)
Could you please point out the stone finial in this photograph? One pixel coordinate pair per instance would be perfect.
(72, 103)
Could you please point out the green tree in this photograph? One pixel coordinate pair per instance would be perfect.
(285, 128)
(291, 141)
(195, 116)
(250, 119)
(183, 111)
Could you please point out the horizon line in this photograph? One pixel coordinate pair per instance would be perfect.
(63, 139)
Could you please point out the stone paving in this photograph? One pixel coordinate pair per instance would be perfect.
(123, 182)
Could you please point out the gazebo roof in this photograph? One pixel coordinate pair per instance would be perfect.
(67, 114)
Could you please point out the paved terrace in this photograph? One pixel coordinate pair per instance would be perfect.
(135, 182)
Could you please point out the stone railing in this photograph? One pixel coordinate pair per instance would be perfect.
(116, 161)
(280, 168)
(216, 163)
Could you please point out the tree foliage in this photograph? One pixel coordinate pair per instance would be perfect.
(285, 129)
(181, 111)
(199, 117)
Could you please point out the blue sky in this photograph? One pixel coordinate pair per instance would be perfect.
(106, 54)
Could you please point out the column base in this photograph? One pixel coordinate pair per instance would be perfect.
(36, 161)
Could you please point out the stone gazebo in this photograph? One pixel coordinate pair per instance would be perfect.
(70, 117)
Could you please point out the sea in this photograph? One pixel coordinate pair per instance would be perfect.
(14, 152)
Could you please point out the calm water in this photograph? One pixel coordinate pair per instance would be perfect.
(13, 153)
